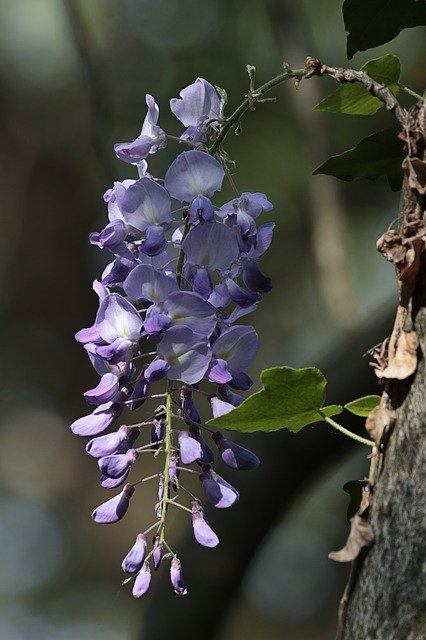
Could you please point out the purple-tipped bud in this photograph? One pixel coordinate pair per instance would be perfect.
(241, 381)
(240, 296)
(139, 395)
(203, 533)
(134, 560)
(118, 442)
(208, 455)
(190, 448)
(218, 492)
(117, 465)
(235, 456)
(142, 582)
(254, 278)
(174, 471)
(177, 578)
(157, 552)
(114, 509)
(189, 410)
(229, 396)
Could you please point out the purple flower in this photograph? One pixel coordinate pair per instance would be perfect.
(144, 204)
(117, 465)
(151, 138)
(190, 449)
(237, 346)
(211, 245)
(104, 391)
(134, 559)
(133, 152)
(203, 533)
(117, 319)
(176, 577)
(114, 509)
(156, 370)
(219, 407)
(201, 210)
(113, 234)
(96, 422)
(187, 353)
(192, 174)
(235, 456)
(118, 442)
(251, 203)
(142, 582)
(198, 103)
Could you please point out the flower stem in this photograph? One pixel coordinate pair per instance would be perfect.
(167, 451)
(181, 256)
(409, 91)
(248, 102)
(346, 432)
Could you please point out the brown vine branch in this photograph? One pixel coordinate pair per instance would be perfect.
(343, 76)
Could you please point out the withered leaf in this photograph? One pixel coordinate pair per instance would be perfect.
(416, 169)
(361, 535)
(379, 419)
(404, 362)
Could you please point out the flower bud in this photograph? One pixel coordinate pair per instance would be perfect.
(142, 582)
(177, 578)
(134, 559)
(114, 509)
(203, 533)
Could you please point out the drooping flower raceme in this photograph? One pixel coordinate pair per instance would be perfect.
(183, 272)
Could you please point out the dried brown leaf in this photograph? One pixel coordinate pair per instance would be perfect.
(361, 535)
(404, 361)
(379, 419)
(416, 170)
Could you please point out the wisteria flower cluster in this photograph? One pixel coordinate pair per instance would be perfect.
(170, 302)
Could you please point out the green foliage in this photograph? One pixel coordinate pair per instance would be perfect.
(374, 22)
(363, 406)
(354, 489)
(380, 154)
(290, 399)
(354, 99)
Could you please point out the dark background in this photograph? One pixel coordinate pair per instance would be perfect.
(73, 78)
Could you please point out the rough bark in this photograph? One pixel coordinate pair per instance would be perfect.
(385, 599)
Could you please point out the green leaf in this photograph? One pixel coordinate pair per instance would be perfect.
(363, 406)
(354, 489)
(374, 22)
(290, 399)
(380, 154)
(354, 99)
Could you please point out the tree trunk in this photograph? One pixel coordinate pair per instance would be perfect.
(385, 599)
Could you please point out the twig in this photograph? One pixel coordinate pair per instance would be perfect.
(343, 76)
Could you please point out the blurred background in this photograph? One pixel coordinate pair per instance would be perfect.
(73, 78)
